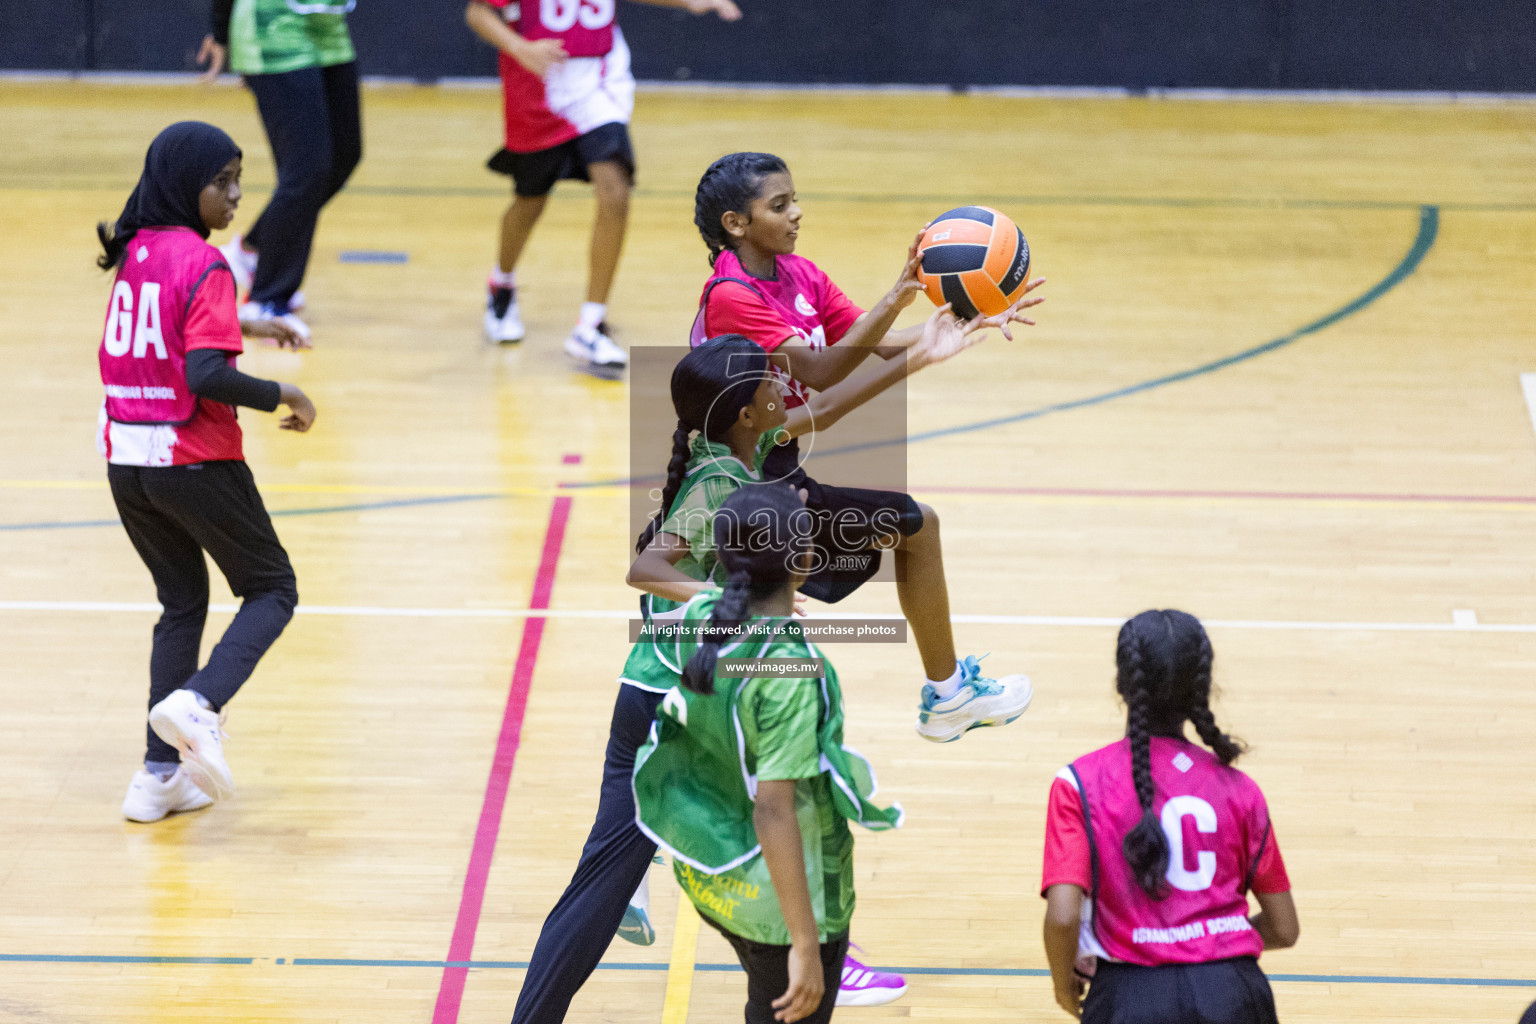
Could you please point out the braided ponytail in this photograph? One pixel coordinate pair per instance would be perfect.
(1145, 846)
(729, 185)
(1225, 747)
(677, 470)
(728, 615)
(1164, 661)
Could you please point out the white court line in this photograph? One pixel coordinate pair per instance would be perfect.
(1459, 625)
(1528, 385)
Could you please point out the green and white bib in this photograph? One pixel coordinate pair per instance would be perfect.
(271, 36)
(696, 781)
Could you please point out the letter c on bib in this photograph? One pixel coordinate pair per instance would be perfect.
(1174, 813)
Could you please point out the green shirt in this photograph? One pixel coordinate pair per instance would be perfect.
(696, 779)
(778, 720)
(271, 36)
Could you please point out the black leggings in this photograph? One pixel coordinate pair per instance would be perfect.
(848, 521)
(314, 125)
(617, 855)
(767, 970)
(173, 514)
(1231, 991)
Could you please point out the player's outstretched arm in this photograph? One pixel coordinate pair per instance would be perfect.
(726, 9)
(821, 369)
(895, 341)
(655, 570)
(943, 338)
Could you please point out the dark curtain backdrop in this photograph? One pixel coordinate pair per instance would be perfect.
(1459, 45)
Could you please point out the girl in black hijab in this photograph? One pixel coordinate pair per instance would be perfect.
(181, 161)
(175, 461)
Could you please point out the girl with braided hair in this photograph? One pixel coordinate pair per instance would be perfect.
(1152, 845)
(744, 778)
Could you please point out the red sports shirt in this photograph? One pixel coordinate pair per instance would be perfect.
(592, 88)
(800, 301)
(1221, 846)
(173, 295)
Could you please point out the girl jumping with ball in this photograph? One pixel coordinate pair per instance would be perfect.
(1152, 845)
(746, 211)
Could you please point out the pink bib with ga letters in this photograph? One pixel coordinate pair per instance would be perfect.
(143, 348)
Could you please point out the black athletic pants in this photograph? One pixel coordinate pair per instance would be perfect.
(1231, 991)
(578, 931)
(314, 125)
(767, 970)
(173, 514)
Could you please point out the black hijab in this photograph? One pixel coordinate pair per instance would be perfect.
(180, 163)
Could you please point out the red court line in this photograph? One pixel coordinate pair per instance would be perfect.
(1129, 492)
(450, 991)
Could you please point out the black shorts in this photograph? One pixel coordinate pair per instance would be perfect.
(767, 970)
(535, 174)
(849, 521)
(1231, 991)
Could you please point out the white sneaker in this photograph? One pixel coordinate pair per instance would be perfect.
(183, 722)
(503, 328)
(979, 702)
(593, 346)
(149, 799)
(252, 311)
(242, 263)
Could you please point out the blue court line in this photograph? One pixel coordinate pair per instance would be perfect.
(518, 965)
(367, 506)
(1429, 230)
(373, 256)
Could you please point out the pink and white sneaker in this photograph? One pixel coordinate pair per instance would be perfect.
(864, 987)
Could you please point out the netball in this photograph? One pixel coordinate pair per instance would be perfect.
(976, 259)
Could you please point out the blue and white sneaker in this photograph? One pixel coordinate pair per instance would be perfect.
(636, 926)
(979, 701)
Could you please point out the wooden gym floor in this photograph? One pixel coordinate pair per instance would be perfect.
(1351, 507)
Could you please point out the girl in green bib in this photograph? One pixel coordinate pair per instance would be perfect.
(744, 778)
(297, 60)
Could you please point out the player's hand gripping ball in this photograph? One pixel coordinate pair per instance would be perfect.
(975, 258)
